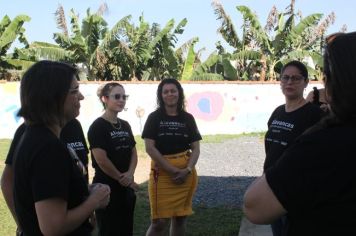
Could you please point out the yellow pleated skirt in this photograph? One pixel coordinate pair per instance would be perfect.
(168, 199)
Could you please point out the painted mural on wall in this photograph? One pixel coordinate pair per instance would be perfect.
(222, 108)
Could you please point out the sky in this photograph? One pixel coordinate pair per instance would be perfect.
(202, 21)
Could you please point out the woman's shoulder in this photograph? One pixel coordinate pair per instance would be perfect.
(312, 108)
(157, 114)
(187, 114)
(97, 123)
(279, 109)
(124, 122)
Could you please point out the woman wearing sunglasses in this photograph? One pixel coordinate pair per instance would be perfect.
(51, 196)
(114, 158)
(314, 181)
(289, 120)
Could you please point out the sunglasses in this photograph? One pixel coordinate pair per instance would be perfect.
(119, 96)
(292, 78)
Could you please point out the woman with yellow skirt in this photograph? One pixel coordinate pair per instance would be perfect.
(172, 141)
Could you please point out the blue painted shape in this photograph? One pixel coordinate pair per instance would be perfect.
(204, 105)
(16, 117)
(10, 108)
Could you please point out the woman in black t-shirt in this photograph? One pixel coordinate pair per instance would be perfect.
(172, 141)
(314, 180)
(288, 121)
(114, 159)
(72, 136)
(50, 194)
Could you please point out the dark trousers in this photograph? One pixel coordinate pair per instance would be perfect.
(117, 218)
(279, 227)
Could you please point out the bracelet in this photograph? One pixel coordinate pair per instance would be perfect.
(189, 169)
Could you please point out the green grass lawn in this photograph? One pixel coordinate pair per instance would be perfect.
(222, 221)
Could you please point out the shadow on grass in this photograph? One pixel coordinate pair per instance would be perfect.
(217, 207)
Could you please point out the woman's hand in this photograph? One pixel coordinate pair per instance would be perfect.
(99, 194)
(180, 176)
(125, 179)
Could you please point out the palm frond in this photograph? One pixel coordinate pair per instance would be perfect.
(115, 31)
(10, 33)
(103, 8)
(188, 65)
(164, 32)
(246, 55)
(61, 20)
(207, 77)
(227, 29)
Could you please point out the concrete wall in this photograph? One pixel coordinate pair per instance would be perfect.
(219, 108)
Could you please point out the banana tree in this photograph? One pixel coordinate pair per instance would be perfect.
(164, 61)
(236, 68)
(10, 30)
(289, 40)
(84, 39)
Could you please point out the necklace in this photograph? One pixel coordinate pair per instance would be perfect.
(117, 125)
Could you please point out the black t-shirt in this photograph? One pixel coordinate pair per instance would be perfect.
(284, 127)
(43, 169)
(118, 143)
(72, 135)
(17, 136)
(172, 134)
(315, 181)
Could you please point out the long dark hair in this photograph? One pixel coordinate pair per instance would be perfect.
(160, 103)
(340, 80)
(43, 90)
(340, 73)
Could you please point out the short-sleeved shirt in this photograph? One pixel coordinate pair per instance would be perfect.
(315, 181)
(17, 136)
(43, 169)
(118, 143)
(72, 135)
(284, 127)
(172, 134)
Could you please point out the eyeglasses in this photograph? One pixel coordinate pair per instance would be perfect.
(293, 78)
(119, 96)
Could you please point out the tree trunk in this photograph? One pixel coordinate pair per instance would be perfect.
(263, 68)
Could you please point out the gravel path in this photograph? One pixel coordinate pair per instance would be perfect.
(226, 169)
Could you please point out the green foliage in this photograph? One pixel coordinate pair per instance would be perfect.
(207, 77)
(188, 65)
(262, 50)
(149, 52)
(10, 30)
